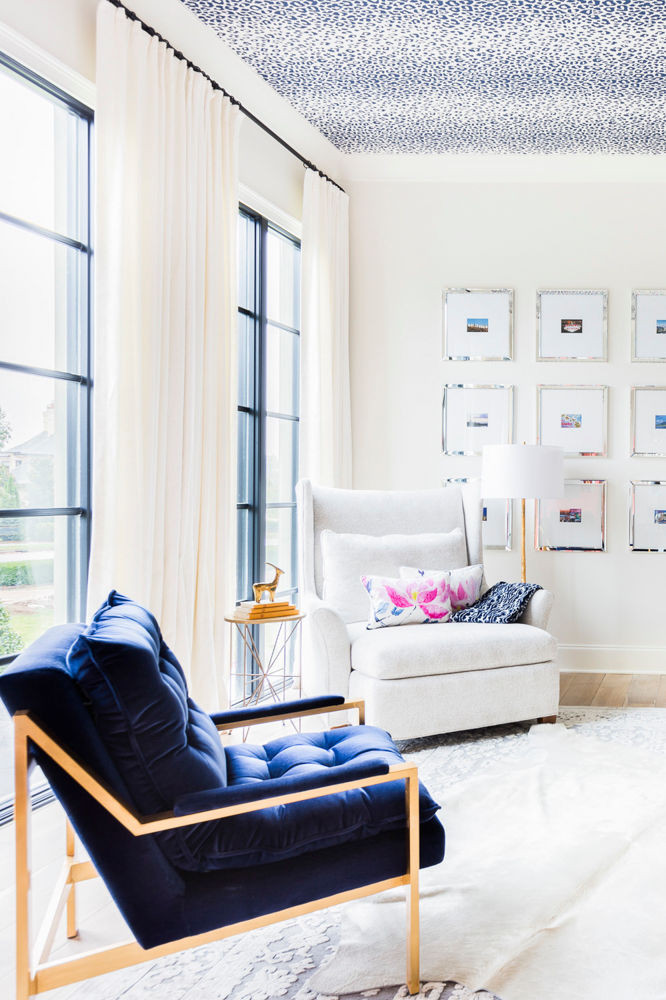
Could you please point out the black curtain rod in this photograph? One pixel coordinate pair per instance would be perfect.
(216, 86)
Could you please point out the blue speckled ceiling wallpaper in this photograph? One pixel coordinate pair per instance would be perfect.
(450, 76)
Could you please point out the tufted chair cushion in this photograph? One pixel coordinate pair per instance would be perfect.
(162, 743)
(281, 832)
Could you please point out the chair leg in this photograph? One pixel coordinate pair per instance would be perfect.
(551, 719)
(413, 938)
(22, 837)
(72, 931)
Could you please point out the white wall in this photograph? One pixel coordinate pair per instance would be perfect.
(410, 240)
(66, 30)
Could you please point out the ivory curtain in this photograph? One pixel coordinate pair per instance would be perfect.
(325, 419)
(164, 465)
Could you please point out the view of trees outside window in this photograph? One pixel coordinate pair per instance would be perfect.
(45, 263)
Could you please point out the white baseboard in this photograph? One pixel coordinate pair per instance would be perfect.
(613, 659)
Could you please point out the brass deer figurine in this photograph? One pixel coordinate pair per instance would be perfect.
(268, 588)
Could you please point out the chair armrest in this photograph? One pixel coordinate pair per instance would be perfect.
(538, 610)
(290, 709)
(327, 660)
(26, 730)
(254, 791)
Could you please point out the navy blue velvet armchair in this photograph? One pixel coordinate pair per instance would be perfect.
(197, 841)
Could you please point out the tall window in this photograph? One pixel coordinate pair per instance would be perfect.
(45, 262)
(269, 321)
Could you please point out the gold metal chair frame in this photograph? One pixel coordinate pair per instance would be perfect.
(37, 973)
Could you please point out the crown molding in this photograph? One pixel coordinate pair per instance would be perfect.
(25, 52)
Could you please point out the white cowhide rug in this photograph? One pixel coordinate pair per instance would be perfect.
(553, 886)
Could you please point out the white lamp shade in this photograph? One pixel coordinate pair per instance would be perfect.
(529, 471)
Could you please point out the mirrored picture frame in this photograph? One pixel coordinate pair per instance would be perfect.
(497, 519)
(474, 416)
(647, 515)
(574, 523)
(648, 324)
(477, 324)
(572, 325)
(573, 417)
(648, 421)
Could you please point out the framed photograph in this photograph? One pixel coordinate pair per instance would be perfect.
(577, 522)
(573, 417)
(478, 324)
(572, 325)
(648, 421)
(475, 415)
(496, 529)
(647, 516)
(648, 324)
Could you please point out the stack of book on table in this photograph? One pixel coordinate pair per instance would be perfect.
(250, 611)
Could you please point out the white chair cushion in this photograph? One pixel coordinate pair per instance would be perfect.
(347, 557)
(421, 650)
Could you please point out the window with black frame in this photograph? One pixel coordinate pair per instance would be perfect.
(45, 268)
(268, 407)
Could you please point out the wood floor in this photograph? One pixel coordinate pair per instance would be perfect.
(614, 690)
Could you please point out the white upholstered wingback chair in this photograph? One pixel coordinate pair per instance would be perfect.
(418, 680)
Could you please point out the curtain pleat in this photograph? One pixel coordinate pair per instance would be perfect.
(325, 416)
(164, 461)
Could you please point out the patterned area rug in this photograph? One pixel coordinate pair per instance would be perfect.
(277, 962)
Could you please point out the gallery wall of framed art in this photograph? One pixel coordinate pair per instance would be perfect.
(571, 327)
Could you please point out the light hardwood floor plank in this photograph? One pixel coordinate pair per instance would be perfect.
(660, 701)
(643, 690)
(565, 681)
(582, 689)
(612, 692)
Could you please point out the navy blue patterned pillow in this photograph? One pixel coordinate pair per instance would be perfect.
(502, 604)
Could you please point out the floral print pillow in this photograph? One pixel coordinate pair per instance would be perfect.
(416, 601)
(461, 586)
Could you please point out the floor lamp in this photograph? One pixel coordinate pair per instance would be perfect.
(522, 472)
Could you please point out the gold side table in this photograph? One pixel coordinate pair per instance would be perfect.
(268, 677)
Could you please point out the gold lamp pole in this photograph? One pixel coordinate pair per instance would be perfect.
(522, 471)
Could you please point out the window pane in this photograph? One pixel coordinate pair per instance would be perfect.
(245, 360)
(39, 577)
(41, 180)
(39, 441)
(244, 539)
(41, 301)
(283, 279)
(280, 540)
(282, 371)
(281, 459)
(245, 422)
(246, 252)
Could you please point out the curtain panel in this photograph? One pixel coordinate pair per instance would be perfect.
(325, 417)
(164, 459)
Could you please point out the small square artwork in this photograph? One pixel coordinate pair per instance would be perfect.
(496, 517)
(477, 420)
(648, 420)
(477, 324)
(573, 417)
(576, 522)
(571, 515)
(648, 327)
(474, 416)
(572, 325)
(647, 516)
(571, 420)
